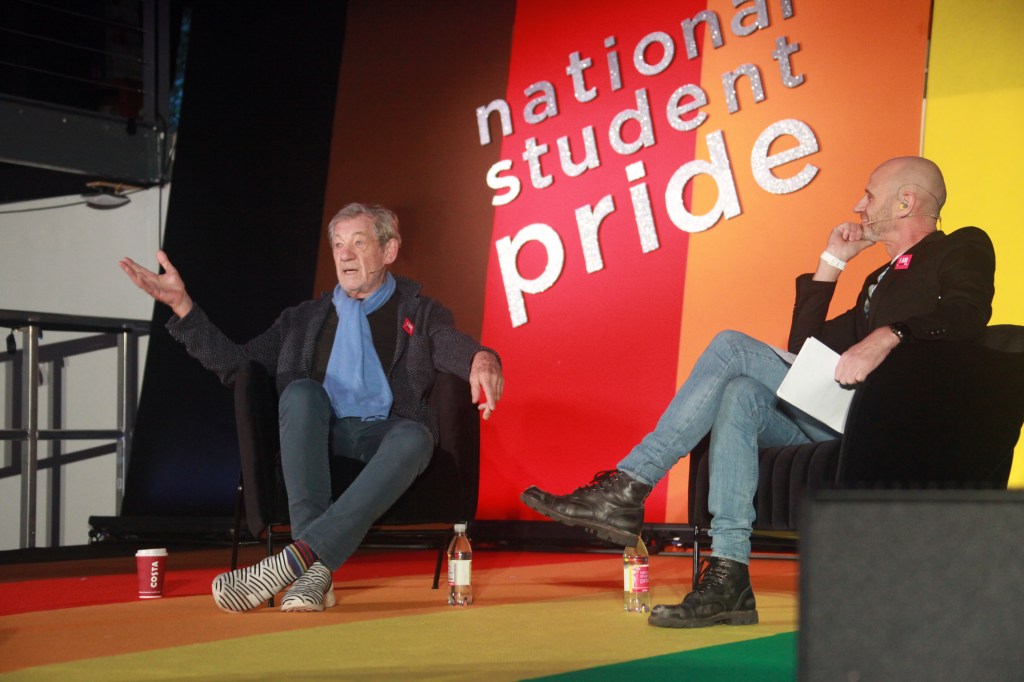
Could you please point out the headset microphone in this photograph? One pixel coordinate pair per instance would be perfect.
(900, 217)
(880, 220)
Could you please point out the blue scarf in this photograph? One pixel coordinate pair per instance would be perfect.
(355, 380)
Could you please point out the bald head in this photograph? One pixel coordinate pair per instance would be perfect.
(901, 203)
(918, 176)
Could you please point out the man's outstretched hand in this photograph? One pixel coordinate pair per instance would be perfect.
(167, 288)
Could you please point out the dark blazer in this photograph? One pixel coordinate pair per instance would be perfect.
(941, 288)
(427, 341)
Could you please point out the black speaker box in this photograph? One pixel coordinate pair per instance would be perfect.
(912, 585)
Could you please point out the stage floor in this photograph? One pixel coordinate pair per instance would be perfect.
(535, 614)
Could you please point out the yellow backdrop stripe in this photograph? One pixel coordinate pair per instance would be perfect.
(972, 129)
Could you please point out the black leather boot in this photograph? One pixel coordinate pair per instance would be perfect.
(611, 506)
(723, 595)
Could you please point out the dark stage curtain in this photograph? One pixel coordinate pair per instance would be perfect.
(244, 220)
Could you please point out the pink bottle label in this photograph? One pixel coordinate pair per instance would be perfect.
(636, 578)
(641, 581)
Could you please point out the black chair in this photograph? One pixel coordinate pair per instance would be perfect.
(444, 494)
(933, 415)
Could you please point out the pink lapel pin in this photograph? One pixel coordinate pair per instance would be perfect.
(408, 326)
(903, 262)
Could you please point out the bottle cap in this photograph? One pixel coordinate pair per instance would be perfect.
(460, 528)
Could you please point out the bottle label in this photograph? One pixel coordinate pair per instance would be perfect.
(460, 571)
(636, 578)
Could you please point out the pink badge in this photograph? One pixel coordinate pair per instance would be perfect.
(903, 262)
(408, 326)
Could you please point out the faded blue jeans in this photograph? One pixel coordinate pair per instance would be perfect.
(731, 393)
(395, 451)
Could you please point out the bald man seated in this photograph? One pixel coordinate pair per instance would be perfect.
(932, 286)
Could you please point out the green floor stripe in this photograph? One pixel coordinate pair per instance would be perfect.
(769, 659)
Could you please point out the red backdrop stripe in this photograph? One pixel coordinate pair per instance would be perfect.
(587, 371)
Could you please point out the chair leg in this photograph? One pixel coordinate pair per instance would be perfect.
(236, 538)
(437, 566)
(270, 550)
(696, 556)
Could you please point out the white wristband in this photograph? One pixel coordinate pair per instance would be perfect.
(833, 261)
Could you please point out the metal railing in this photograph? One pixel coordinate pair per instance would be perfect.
(107, 333)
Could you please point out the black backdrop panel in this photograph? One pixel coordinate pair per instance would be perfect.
(914, 585)
(243, 225)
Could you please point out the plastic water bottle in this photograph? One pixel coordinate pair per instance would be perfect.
(460, 568)
(636, 595)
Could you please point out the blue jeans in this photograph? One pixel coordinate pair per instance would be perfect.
(395, 451)
(731, 393)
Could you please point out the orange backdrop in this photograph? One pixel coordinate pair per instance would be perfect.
(863, 95)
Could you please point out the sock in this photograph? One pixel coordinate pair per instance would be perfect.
(300, 557)
(247, 588)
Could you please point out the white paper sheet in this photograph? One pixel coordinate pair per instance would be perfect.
(811, 387)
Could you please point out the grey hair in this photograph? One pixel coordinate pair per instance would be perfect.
(385, 222)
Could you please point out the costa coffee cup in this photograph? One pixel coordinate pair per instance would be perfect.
(151, 565)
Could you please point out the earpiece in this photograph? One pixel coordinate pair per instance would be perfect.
(903, 206)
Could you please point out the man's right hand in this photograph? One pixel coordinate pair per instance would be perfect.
(168, 288)
(845, 241)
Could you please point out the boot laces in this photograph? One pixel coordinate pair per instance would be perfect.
(712, 574)
(602, 481)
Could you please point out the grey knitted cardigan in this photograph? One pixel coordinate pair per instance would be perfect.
(426, 341)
